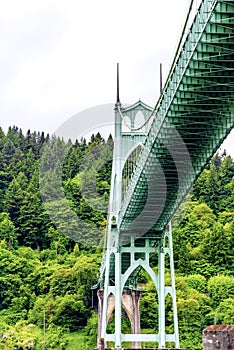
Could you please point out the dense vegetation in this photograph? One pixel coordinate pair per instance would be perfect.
(45, 278)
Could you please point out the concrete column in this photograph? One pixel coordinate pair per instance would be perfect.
(110, 309)
(130, 303)
(136, 325)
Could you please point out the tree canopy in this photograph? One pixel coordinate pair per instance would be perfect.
(48, 266)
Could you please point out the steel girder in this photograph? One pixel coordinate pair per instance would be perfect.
(193, 117)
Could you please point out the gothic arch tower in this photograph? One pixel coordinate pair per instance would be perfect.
(126, 253)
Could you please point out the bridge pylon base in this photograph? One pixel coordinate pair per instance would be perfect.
(131, 256)
(139, 349)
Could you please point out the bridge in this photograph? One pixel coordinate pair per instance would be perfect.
(158, 154)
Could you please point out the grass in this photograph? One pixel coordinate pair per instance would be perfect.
(78, 341)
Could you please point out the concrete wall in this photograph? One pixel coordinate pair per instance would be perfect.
(218, 337)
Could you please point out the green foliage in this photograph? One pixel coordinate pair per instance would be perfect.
(13, 200)
(149, 307)
(7, 230)
(70, 312)
(80, 341)
(47, 268)
(225, 312)
(91, 329)
(197, 282)
(20, 336)
(26, 336)
(63, 282)
(220, 288)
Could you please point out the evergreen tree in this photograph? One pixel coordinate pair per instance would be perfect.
(33, 221)
(13, 201)
(7, 153)
(7, 230)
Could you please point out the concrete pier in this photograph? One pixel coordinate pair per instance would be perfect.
(130, 304)
(142, 349)
(218, 337)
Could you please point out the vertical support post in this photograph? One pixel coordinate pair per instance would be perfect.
(172, 271)
(100, 312)
(161, 297)
(105, 296)
(161, 89)
(118, 299)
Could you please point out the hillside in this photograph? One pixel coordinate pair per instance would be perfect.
(47, 270)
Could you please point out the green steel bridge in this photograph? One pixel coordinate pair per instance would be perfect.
(158, 154)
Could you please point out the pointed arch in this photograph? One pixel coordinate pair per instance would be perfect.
(126, 124)
(134, 266)
(166, 242)
(139, 121)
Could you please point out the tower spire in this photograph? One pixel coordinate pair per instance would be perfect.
(117, 100)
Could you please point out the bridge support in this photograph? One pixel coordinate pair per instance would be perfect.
(122, 293)
(127, 252)
(130, 303)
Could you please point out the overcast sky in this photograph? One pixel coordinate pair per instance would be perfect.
(59, 57)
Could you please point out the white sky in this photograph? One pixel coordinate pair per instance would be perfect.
(59, 57)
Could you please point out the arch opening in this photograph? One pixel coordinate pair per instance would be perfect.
(148, 307)
(169, 317)
(166, 242)
(139, 121)
(126, 124)
(153, 261)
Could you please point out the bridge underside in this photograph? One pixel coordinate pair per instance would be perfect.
(193, 117)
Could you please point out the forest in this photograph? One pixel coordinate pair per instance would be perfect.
(53, 214)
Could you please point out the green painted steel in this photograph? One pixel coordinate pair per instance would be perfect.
(193, 116)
